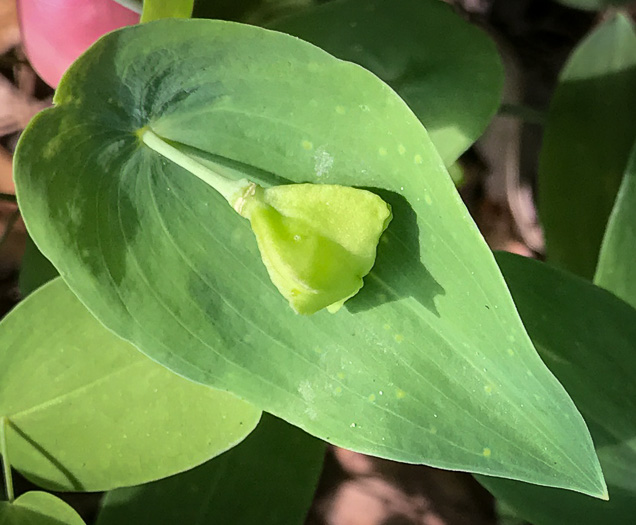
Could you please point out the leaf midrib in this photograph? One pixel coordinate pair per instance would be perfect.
(72, 393)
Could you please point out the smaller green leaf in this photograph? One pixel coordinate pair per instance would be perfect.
(157, 9)
(275, 470)
(616, 270)
(317, 240)
(38, 508)
(87, 411)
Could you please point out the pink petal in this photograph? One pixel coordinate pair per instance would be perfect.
(56, 32)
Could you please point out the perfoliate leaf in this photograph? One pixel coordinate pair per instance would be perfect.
(88, 412)
(428, 363)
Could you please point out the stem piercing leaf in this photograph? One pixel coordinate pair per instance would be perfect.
(317, 241)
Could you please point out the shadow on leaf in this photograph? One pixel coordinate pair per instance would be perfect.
(398, 272)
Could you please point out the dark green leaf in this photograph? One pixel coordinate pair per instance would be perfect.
(428, 363)
(274, 471)
(225, 9)
(38, 508)
(587, 337)
(591, 129)
(616, 270)
(447, 71)
(35, 269)
(87, 411)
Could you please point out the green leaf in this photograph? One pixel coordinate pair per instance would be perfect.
(590, 131)
(587, 338)
(87, 411)
(38, 508)
(616, 271)
(594, 5)
(35, 269)
(157, 9)
(225, 9)
(275, 470)
(428, 363)
(447, 70)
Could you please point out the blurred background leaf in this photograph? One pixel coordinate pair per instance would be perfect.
(447, 70)
(616, 270)
(590, 131)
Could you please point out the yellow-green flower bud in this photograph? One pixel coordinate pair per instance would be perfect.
(317, 241)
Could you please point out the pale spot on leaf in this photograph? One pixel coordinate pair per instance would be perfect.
(322, 162)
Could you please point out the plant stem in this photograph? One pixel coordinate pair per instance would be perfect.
(229, 188)
(8, 480)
